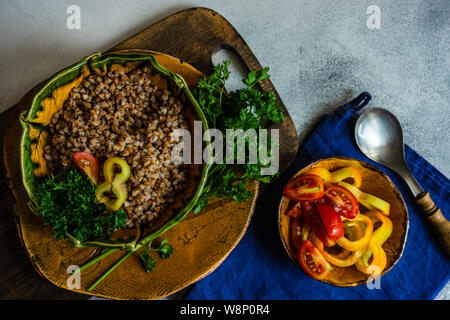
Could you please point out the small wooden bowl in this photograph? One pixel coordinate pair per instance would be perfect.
(375, 182)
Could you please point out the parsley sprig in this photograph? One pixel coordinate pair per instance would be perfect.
(67, 202)
(148, 261)
(246, 108)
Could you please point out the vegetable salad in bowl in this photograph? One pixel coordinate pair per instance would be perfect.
(336, 228)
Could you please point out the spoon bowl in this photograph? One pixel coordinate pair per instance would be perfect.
(379, 136)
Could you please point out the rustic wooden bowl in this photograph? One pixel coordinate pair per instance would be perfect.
(201, 241)
(374, 182)
(98, 63)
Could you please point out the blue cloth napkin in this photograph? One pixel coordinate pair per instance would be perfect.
(259, 267)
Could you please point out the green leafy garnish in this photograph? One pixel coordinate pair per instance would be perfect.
(244, 109)
(165, 249)
(149, 262)
(67, 202)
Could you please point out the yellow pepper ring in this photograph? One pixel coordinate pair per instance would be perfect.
(114, 182)
(378, 262)
(342, 259)
(338, 175)
(380, 236)
(345, 173)
(119, 190)
(108, 170)
(367, 200)
(383, 232)
(364, 241)
(321, 172)
(345, 261)
(355, 232)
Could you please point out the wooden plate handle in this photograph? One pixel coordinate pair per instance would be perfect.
(440, 224)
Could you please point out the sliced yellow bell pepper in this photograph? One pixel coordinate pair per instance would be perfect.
(338, 175)
(114, 182)
(355, 245)
(383, 232)
(367, 200)
(345, 173)
(378, 262)
(344, 258)
(379, 237)
(321, 172)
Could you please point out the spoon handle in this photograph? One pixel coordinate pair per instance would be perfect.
(440, 224)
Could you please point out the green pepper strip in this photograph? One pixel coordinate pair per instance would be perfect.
(114, 182)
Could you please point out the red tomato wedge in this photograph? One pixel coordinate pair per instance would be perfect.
(342, 200)
(331, 221)
(313, 262)
(312, 219)
(89, 164)
(295, 211)
(304, 187)
(296, 233)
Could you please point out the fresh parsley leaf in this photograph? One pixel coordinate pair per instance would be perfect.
(67, 203)
(165, 249)
(148, 261)
(256, 75)
(200, 205)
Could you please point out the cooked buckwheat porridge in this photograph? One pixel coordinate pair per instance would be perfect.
(124, 115)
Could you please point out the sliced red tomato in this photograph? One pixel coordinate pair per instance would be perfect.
(331, 221)
(342, 200)
(296, 233)
(89, 164)
(313, 262)
(295, 211)
(304, 187)
(311, 218)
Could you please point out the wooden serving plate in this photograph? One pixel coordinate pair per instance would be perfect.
(374, 182)
(201, 242)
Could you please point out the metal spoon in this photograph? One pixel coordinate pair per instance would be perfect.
(379, 136)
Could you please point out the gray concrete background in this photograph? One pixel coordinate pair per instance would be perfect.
(321, 54)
